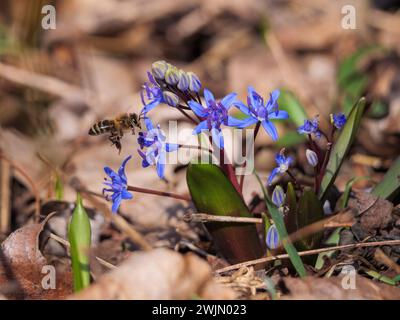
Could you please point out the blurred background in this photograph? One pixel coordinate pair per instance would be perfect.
(56, 83)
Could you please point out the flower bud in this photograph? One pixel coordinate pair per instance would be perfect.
(172, 75)
(184, 79)
(278, 196)
(272, 238)
(194, 82)
(312, 157)
(159, 68)
(170, 98)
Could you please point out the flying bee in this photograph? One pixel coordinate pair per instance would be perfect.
(116, 127)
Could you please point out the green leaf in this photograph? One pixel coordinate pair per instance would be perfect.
(389, 187)
(342, 147)
(333, 240)
(283, 236)
(79, 234)
(213, 193)
(380, 277)
(288, 101)
(291, 216)
(344, 198)
(310, 210)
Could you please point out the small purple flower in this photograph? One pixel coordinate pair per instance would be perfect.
(283, 165)
(312, 158)
(278, 196)
(154, 140)
(310, 127)
(272, 238)
(338, 120)
(117, 185)
(151, 95)
(213, 115)
(258, 111)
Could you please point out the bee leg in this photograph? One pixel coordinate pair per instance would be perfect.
(116, 140)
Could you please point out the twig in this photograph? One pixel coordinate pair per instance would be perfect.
(31, 183)
(5, 198)
(47, 84)
(67, 244)
(204, 217)
(159, 193)
(308, 253)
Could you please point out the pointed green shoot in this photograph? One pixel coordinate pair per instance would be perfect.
(79, 234)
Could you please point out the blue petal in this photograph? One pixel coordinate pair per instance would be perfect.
(161, 164)
(170, 147)
(148, 123)
(150, 106)
(218, 138)
(116, 203)
(228, 100)
(208, 96)
(272, 176)
(197, 108)
(280, 159)
(251, 92)
(126, 194)
(270, 129)
(121, 171)
(242, 107)
(248, 122)
(281, 115)
(200, 127)
(233, 122)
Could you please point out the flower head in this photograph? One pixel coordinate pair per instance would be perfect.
(272, 238)
(283, 165)
(338, 120)
(260, 111)
(151, 95)
(154, 140)
(312, 158)
(117, 185)
(310, 127)
(278, 196)
(213, 116)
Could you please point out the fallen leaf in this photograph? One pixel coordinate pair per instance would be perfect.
(312, 288)
(158, 274)
(21, 266)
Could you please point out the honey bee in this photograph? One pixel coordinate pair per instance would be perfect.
(116, 127)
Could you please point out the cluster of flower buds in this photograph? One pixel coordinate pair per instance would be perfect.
(175, 84)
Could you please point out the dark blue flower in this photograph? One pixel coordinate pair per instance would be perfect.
(338, 120)
(283, 165)
(213, 115)
(310, 127)
(151, 95)
(117, 185)
(258, 111)
(154, 140)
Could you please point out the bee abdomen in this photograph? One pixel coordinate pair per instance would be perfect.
(100, 128)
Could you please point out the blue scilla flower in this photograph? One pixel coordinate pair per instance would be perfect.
(338, 120)
(151, 95)
(272, 238)
(213, 115)
(283, 165)
(260, 111)
(154, 140)
(117, 185)
(310, 127)
(278, 196)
